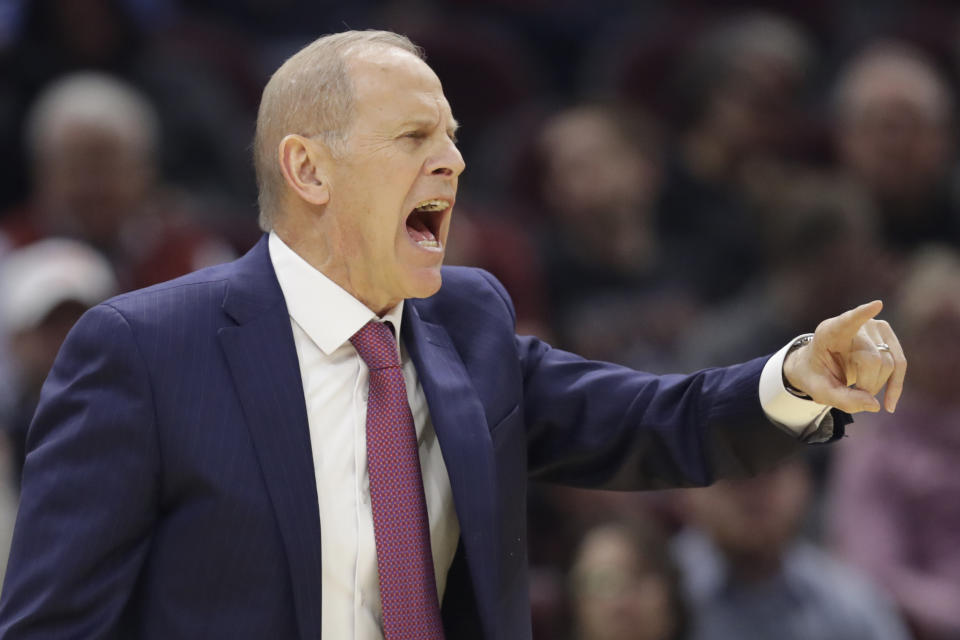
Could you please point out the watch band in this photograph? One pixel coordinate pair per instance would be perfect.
(805, 339)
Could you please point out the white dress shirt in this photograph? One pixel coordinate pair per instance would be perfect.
(335, 385)
(796, 414)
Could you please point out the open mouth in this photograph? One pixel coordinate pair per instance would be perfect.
(423, 223)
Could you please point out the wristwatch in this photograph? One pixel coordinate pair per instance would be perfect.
(805, 339)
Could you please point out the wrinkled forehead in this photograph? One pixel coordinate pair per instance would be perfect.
(391, 83)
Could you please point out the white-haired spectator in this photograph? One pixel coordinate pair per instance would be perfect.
(93, 143)
(198, 74)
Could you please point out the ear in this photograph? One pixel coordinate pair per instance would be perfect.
(302, 169)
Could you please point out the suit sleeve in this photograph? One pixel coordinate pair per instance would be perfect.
(89, 496)
(595, 424)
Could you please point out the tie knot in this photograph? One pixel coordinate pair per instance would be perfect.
(376, 345)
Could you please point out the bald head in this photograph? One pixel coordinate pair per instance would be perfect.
(311, 94)
(891, 71)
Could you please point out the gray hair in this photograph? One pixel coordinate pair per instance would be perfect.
(93, 99)
(311, 94)
(718, 56)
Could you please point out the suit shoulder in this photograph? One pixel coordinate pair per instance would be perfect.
(472, 290)
(469, 281)
(178, 296)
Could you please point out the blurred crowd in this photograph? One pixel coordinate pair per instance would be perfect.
(667, 185)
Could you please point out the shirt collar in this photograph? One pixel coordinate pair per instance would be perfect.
(323, 309)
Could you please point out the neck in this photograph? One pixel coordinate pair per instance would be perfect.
(318, 251)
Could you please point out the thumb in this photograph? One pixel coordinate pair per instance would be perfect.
(847, 399)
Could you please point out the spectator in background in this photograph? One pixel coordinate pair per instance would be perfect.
(749, 578)
(93, 143)
(899, 481)
(823, 253)
(624, 586)
(44, 288)
(738, 89)
(894, 130)
(601, 177)
(205, 131)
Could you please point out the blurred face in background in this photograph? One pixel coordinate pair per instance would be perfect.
(895, 131)
(756, 518)
(89, 179)
(928, 312)
(599, 184)
(935, 353)
(753, 110)
(619, 594)
(592, 167)
(743, 81)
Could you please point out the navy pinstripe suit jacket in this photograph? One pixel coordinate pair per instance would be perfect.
(169, 491)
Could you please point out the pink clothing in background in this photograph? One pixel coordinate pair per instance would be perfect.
(896, 510)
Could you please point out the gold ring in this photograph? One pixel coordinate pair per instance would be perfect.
(883, 346)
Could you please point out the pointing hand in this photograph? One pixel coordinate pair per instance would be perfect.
(851, 359)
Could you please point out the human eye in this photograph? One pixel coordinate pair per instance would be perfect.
(417, 134)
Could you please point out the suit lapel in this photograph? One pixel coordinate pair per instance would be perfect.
(263, 362)
(461, 428)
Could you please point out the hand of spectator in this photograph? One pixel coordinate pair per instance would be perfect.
(850, 360)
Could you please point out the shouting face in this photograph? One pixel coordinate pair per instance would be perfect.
(393, 184)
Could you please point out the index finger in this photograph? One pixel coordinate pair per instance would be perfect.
(846, 325)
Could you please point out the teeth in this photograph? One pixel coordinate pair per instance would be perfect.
(433, 244)
(432, 205)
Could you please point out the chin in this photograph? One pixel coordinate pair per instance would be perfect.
(425, 282)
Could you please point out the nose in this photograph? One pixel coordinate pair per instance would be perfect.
(448, 161)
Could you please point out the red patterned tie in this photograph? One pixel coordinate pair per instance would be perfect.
(408, 588)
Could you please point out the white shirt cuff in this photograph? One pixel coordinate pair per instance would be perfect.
(797, 415)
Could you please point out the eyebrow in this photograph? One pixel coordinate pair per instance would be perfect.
(429, 123)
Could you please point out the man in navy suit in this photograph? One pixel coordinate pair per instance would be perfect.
(196, 468)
